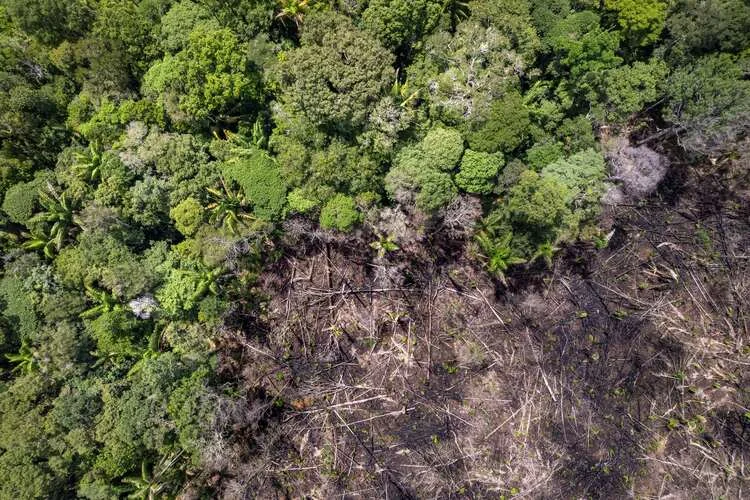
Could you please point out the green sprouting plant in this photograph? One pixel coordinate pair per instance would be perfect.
(88, 164)
(105, 302)
(601, 242)
(545, 251)
(450, 368)
(497, 253)
(58, 211)
(384, 245)
(228, 208)
(26, 360)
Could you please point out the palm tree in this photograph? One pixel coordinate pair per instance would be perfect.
(240, 144)
(149, 485)
(26, 359)
(204, 280)
(47, 242)
(259, 134)
(292, 9)
(227, 208)
(58, 211)
(401, 90)
(498, 254)
(458, 10)
(88, 164)
(207, 281)
(105, 302)
(151, 352)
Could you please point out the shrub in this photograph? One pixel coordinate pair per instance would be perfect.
(341, 168)
(101, 260)
(13, 170)
(541, 155)
(116, 333)
(147, 202)
(191, 408)
(21, 199)
(583, 175)
(178, 294)
(427, 188)
(538, 204)
(17, 307)
(186, 337)
(576, 134)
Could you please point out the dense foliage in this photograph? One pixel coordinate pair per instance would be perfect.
(150, 151)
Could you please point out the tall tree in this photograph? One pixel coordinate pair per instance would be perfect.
(337, 75)
(211, 80)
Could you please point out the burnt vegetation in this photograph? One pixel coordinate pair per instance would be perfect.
(617, 372)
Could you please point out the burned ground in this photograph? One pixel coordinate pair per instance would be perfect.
(620, 372)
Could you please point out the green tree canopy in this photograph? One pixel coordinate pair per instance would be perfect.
(461, 75)
(698, 27)
(339, 213)
(628, 88)
(177, 24)
(337, 75)
(642, 21)
(504, 128)
(583, 52)
(478, 172)
(260, 178)
(211, 80)
(710, 102)
(400, 24)
(51, 21)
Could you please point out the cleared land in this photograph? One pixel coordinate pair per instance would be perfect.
(619, 372)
